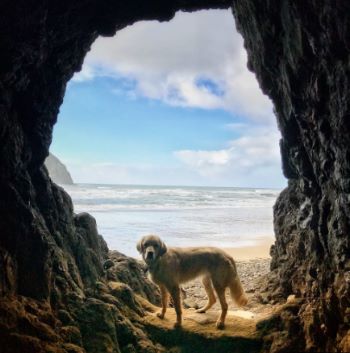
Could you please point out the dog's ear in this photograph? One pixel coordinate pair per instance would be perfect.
(163, 249)
(139, 246)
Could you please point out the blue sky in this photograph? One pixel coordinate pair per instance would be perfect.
(169, 104)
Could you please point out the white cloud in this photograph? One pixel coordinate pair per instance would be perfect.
(252, 160)
(256, 153)
(195, 60)
(166, 60)
(204, 160)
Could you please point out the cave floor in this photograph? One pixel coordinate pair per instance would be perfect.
(199, 334)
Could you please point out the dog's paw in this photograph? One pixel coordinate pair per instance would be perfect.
(177, 325)
(160, 315)
(220, 325)
(200, 311)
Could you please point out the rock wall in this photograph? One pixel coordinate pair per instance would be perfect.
(299, 51)
(51, 260)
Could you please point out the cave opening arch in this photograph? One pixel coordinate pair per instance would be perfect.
(218, 117)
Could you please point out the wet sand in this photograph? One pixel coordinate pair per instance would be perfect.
(259, 251)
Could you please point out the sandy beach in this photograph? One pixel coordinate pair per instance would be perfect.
(259, 251)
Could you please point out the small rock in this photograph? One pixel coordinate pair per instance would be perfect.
(108, 264)
(190, 303)
(244, 314)
(101, 287)
(262, 298)
(129, 349)
(291, 299)
(202, 319)
(65, 317)
(71, 334)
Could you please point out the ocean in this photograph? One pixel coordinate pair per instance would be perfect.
(181, 216)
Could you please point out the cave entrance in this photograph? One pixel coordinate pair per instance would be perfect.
(166, 131)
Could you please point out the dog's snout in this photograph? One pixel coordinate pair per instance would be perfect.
(150, 255)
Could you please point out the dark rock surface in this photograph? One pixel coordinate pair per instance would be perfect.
(57, 170)
(54, 292)
(133, 273)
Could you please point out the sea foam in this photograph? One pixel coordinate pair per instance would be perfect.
(182, 216)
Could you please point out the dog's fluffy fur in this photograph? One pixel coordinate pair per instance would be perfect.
(170, 267)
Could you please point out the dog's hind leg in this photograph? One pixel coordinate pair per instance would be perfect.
(220, 291)
(175, 295)
(210, 293)
(164, 296)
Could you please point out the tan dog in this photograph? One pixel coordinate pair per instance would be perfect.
(169, 267)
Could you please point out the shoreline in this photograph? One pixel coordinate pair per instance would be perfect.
(260, 250)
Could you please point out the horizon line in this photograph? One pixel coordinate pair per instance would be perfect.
(179, 186)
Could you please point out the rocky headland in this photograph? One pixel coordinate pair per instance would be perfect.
(58, 171)
(61, 290)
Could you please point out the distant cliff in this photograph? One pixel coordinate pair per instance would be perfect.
(57, 170)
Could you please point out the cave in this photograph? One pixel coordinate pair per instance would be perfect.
(54, 263)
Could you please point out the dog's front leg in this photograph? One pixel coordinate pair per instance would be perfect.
(175, 294)
(164, 297)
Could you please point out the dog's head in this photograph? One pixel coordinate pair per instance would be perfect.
(151, 247)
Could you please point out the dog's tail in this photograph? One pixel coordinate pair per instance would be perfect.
(236, 289)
